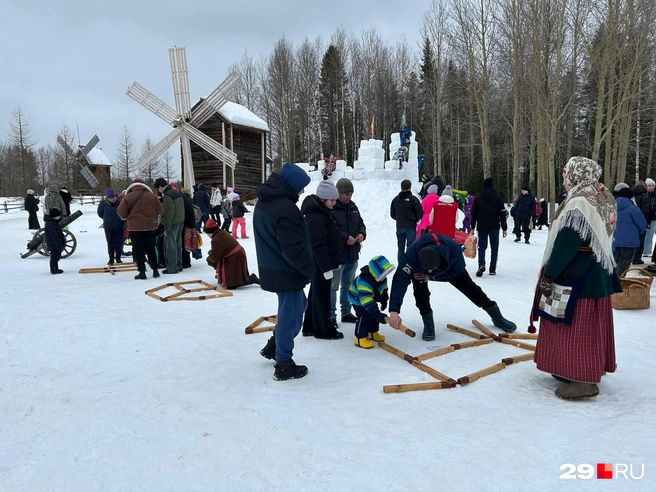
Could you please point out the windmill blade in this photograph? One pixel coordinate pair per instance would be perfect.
(225, 155)
(217, 98)
(178, 59)
(64, 145)
(92, 143)
(89, 176)
(153, 103)
(160, 148)
(187, 165)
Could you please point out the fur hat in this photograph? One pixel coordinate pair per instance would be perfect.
(54, 212)
(432, 190)
(30, 191)
(109, 193)
(488, 183)
(295, 177)
(650, 182)
(344, 185)
(327, 190)
(429, 258)
(448, 191)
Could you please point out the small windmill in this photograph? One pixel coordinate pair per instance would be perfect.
(185, 122)
(80, 156)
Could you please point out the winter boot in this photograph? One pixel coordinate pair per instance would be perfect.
(480, 271)
(118, 257)
(287, 369)
(155, 273)
(375, 336)
(574, 391)
(253, 279)
(429, 327)
(140, 276)
(269, 350)
(349, 318)
(111, 258)
(517, 240)
(363, 343)
(561, 379)
(499, 321)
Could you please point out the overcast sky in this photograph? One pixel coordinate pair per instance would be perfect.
(71, 60)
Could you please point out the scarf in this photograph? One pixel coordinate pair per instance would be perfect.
(589, 209)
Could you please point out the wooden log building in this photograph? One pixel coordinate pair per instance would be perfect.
(100, 166)
(241, 131)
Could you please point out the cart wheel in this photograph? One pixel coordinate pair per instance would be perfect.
(70, 245)
(42, 249)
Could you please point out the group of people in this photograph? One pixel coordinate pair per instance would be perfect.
(320, 243)
(592, 239)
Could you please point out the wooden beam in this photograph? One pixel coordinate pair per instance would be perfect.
(403, 329)
(483, 372)
(510, 341)
(223, 141)
(484, 329)
(518, 358)
(464, 331)
(519, 336)
(397, 352)
(433, 372)
(403, 388)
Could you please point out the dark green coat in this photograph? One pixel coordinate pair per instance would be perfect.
(567, 261)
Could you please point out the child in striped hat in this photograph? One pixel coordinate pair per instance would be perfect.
(366, 291)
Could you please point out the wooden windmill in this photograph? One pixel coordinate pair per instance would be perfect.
(184, 120)
(80, 158)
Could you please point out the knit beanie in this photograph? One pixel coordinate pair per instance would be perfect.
(625, 193)
(650, 182)
(294, 176)
(54, 212)
(344, 185)
(210, 226)
(619, 186)
(429, 258)
(447, 191)
(488, 183)
(229, 190)
(432, 189)
(327, 190)
(109, 193)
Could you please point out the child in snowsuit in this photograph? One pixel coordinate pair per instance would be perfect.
(54, 239)
(368, 289)
(238, 211)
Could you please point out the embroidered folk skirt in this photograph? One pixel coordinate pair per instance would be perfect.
(582, 351)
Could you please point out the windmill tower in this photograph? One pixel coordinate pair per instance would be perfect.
(80, 155)
(184, 121)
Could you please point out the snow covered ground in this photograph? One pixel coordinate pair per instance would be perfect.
(104, 388)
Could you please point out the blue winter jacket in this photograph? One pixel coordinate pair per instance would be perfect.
(631, 223)
(107, 211)
(282, 240)
(453, 264)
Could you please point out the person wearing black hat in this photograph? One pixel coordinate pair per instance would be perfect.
(32, 207)
(113, 225)
(522, 211)
(285, 263)
(488, 215)
(54, 239)
(439, 258)
(630, 225)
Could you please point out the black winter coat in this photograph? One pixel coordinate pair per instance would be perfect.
(524, 207)
(282, 239)
(488, 212)
(543, 218)
(54, 236)
(238, 209)
(31, 203)
(350, 223)
(202, 199)
(652, 204)
(324, 234)
(107, 211)
(406, 210)
(641, 198)
(189, 215)
(68, 198)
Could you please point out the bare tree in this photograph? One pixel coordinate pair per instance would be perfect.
(154, 169)
(21, 161)
(125, 162)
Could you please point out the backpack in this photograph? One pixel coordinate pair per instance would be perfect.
(197, 213)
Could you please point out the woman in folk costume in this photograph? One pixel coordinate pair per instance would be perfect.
(228, 258)
(579, 246)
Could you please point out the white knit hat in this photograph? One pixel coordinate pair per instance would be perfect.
(649, 182)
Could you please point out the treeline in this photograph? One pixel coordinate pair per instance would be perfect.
(26, 164)
(502, 88)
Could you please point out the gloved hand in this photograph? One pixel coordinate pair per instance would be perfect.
(381, 319)
(328, 275)
(383, 302)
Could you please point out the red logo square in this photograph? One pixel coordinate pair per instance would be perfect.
(604, 471)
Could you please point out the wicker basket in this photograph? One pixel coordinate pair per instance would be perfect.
(636, 290)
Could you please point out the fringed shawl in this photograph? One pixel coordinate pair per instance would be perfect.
(589, 209)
